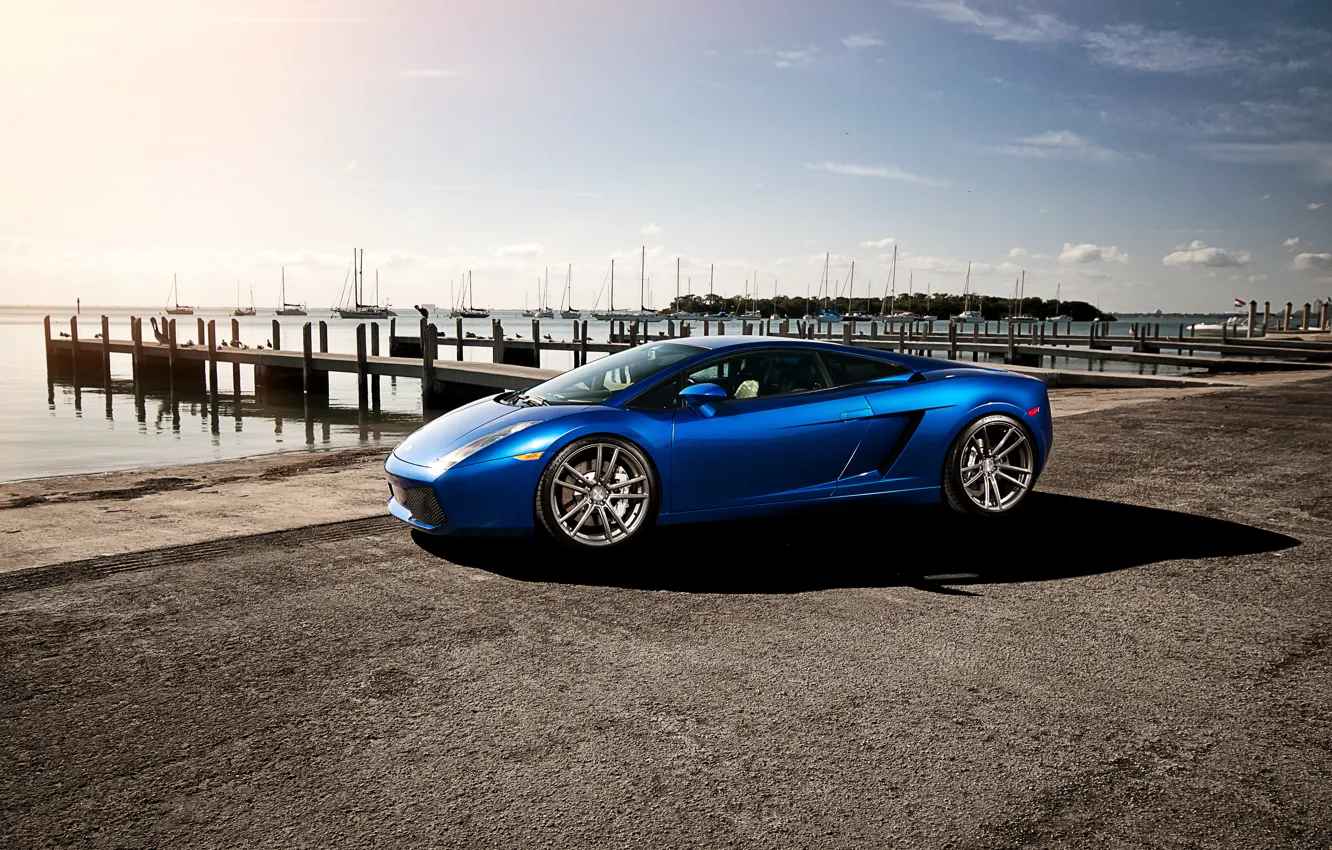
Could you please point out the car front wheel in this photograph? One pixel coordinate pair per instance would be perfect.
(597, 493)
(990, 468)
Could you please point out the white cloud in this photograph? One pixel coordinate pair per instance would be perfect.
(885, 172)
(1030, 28)
(1057, 144)
(1089, 252)
(1256, 278)
(879, 243)
(1313, 207)
(426, 74)
(1135, 48)
(525, 249)
(1308, 261)
(1265, 197)
(798, 58)
(1314, 159)
(1017, 252)
(1291, 242)
(861, 40)
(1198, 253)
(651, 229)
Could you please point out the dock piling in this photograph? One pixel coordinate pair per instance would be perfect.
(496, 341)
(277, 335)
(212, 360)
(323, 337)
(106, 353)
(536, 343)
(459, 341)
(361, 362)
(307, 359)
(583, 345)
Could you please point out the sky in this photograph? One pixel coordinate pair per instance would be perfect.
(1140, 155)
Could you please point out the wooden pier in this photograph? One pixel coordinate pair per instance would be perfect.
(516, 362)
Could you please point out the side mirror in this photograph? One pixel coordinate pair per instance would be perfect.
(695, 395)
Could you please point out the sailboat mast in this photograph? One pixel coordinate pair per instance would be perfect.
(642, 279)
(611, 309)
(677, 283)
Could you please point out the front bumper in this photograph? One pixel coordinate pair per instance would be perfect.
(492, 497)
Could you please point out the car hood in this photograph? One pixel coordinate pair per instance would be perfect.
(457, 427)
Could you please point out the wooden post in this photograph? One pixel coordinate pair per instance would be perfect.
(706, 329)
(901, 338)
(670, 328)
(576, 364)
(952, 340)
(536, 343)
(374, 352)
(136, 338)
(361, 365)
(201, 330)
(277, 334)
(212, 357)
(235, 367)
(307, 358)
(46, 330)
(848, 329)
(106, 351)
(1308, 315)
(1285, 317)
(1267, 315)
(393, 331)
(429, 346)
(73, 348)
(583, 355)
(1012, 346)
(460, 341)
(1253, 318)
(323, 336)
(496, 341)
(171, 349)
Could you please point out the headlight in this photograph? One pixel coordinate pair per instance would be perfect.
(462, 453)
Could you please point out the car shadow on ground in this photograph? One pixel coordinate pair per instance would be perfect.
(1055, 537)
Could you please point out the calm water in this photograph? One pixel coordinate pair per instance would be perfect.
(54, 428)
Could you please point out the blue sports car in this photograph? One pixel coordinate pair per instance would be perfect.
(712, 428)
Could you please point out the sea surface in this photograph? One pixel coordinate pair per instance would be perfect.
(51, 427)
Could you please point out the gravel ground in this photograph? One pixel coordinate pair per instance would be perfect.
(1144, 661)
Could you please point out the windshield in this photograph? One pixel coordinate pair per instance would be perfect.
(600, 379)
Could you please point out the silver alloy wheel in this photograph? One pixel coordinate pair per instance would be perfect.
(600, 494)
(997, 465)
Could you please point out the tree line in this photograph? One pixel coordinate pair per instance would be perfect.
(940, 305)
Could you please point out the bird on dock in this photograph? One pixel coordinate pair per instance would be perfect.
(471, 335)
(269, 343)
(97, 336)
(159, 335)
(65, 335)
(517, 336)
(547, 338)
(425, 314)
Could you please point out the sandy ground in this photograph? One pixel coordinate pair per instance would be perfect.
(52, 520)
(1145, 660)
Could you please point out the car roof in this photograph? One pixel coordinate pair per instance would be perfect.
(722, 343)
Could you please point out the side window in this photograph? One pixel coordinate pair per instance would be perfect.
(664, 396)
(757, 374)
(846, 369)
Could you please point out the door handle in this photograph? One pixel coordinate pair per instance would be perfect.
(856, 414)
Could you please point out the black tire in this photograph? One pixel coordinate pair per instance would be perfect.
(987, 447)
(620, 503)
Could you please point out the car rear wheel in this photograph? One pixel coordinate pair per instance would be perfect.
(597, 493)
(990, 468)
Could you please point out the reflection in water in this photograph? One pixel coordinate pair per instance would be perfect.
(168, 411)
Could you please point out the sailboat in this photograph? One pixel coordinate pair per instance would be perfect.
(1059, 317)
(243, 311)
(1020, 291)
(288, 308)
(928, 317)
(543, 310)
(826, 314)
(358, 309)
(470, 310)
(968, 314)
(644, 314)
(851, 313)
(609, 314)
(567, 310)
(176, 308)
(531, 314)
